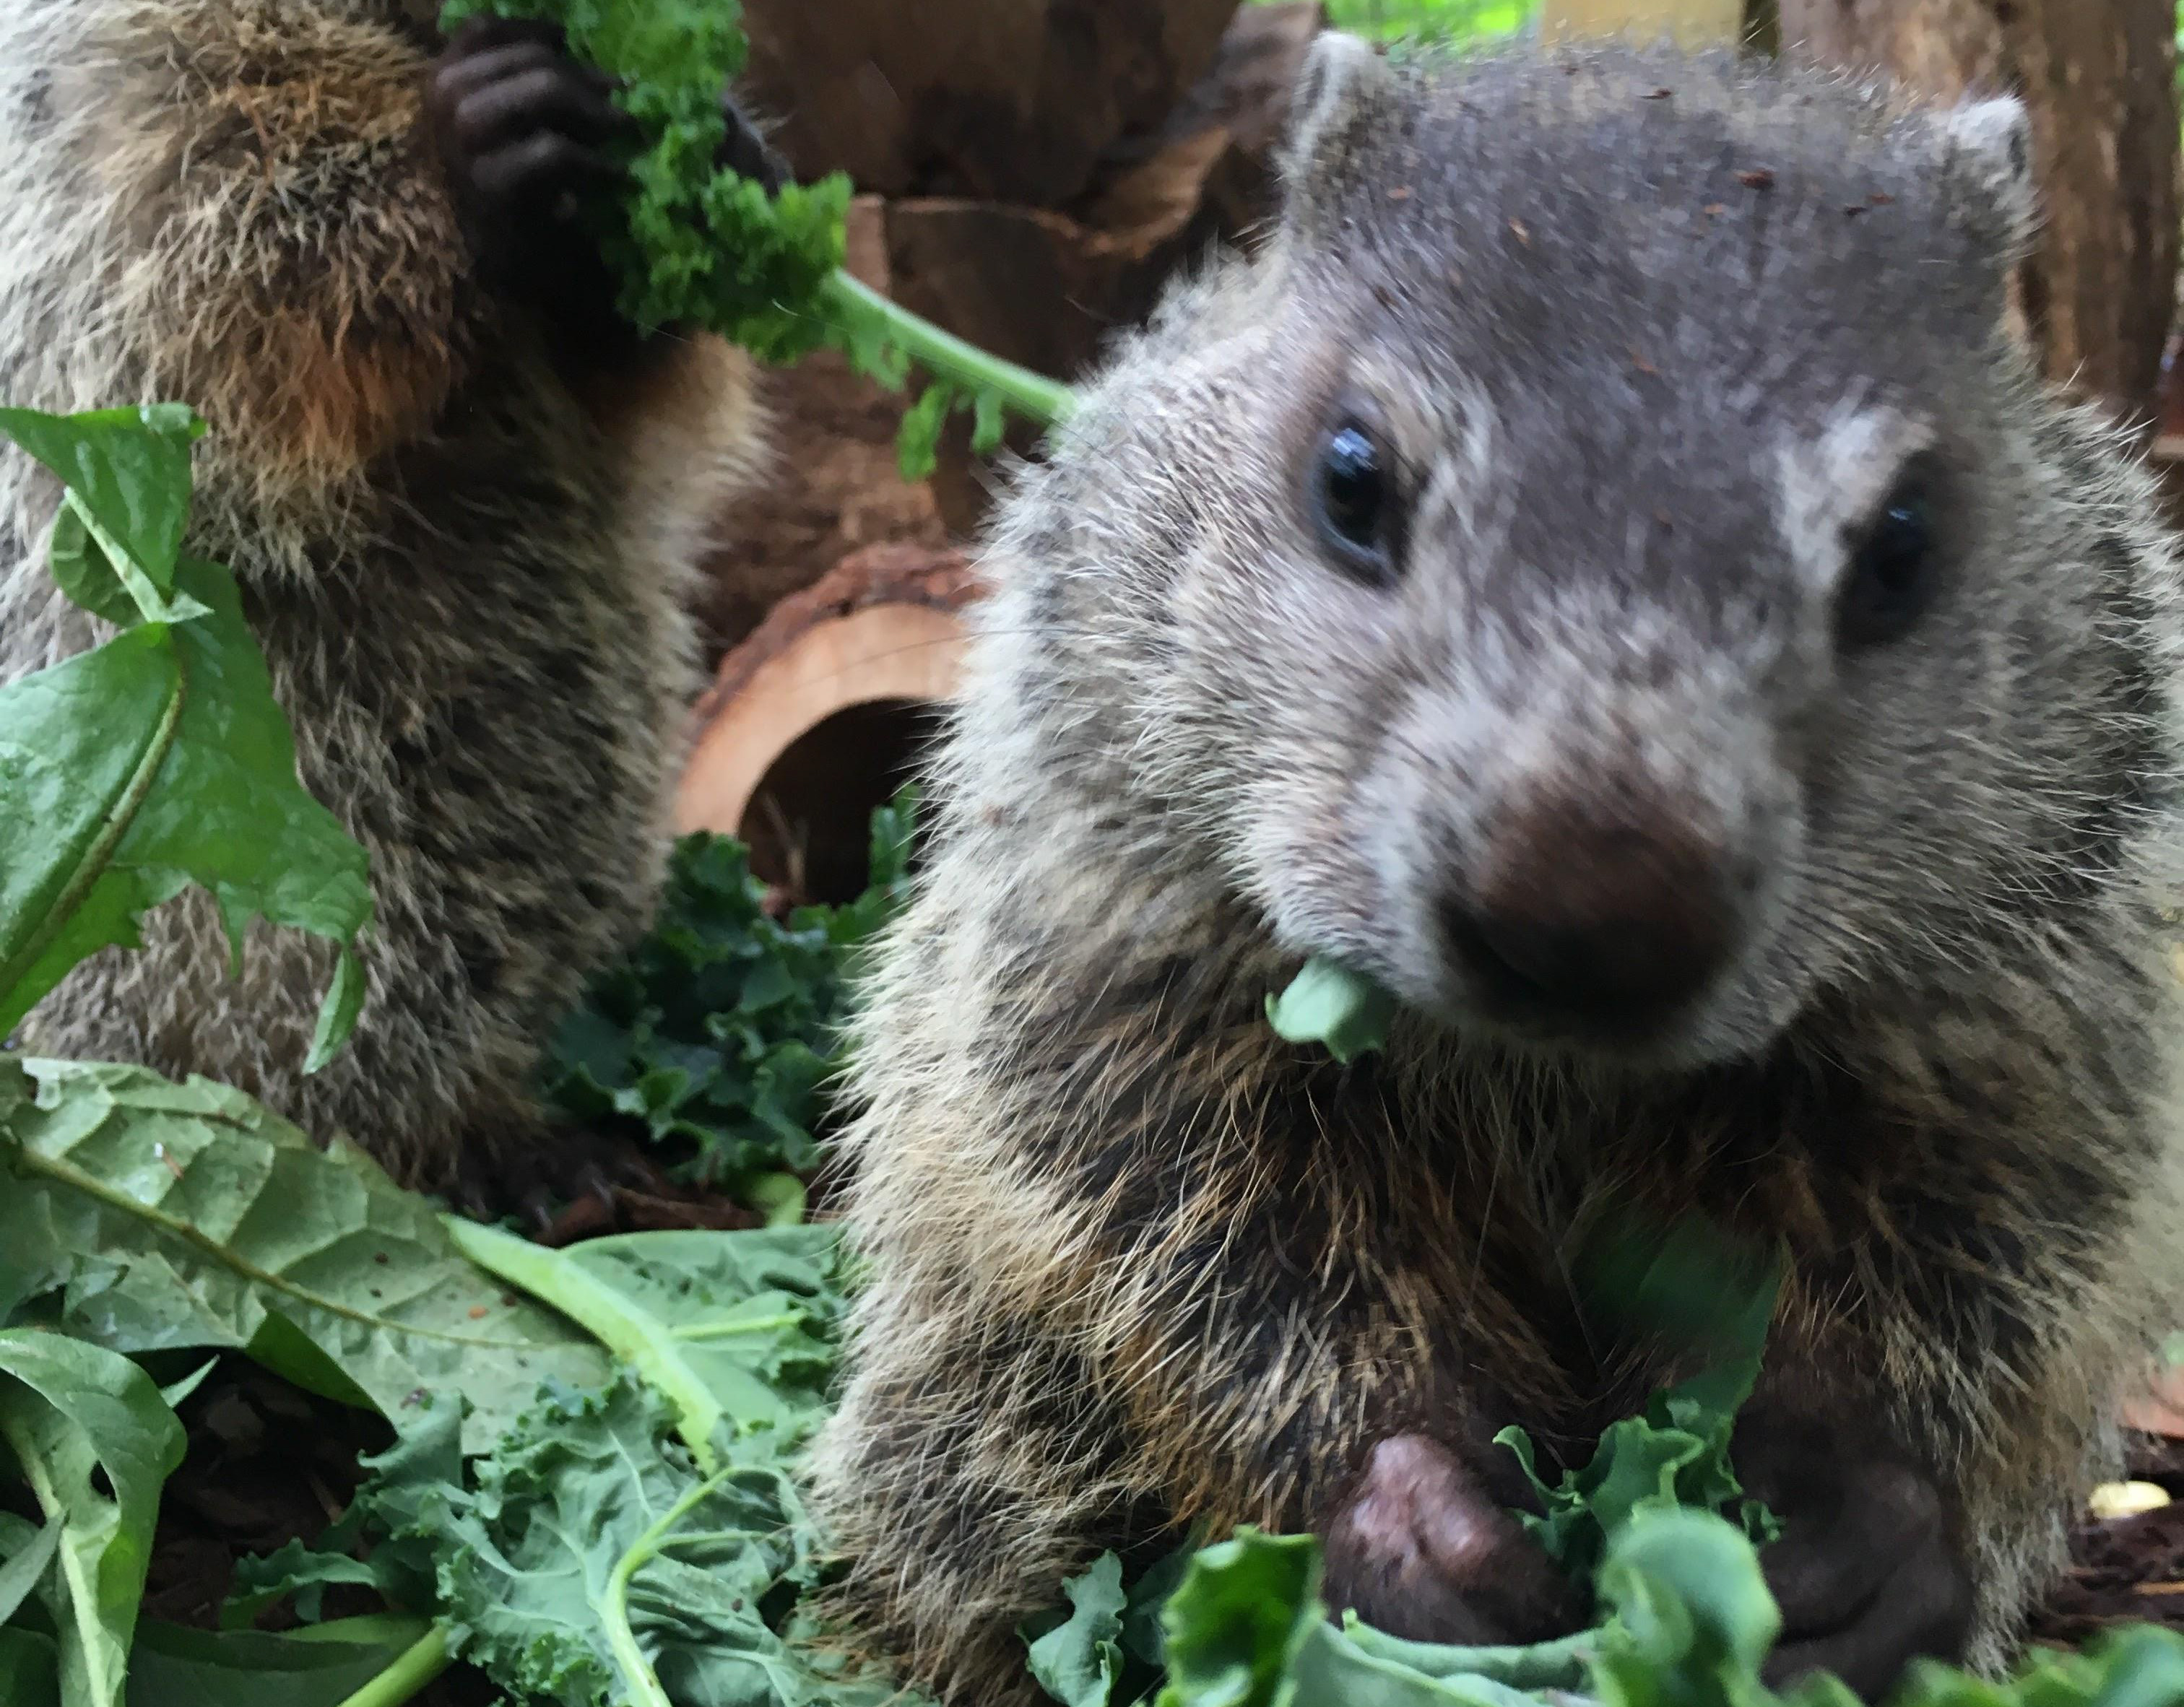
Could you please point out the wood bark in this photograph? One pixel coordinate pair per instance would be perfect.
(2098, 296)
(881, 628)
(1005, 100)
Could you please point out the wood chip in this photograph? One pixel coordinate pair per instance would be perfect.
(2114, 1499)
(1518, 231)
(1756, 178)
(1657, 95)
(1401, 192)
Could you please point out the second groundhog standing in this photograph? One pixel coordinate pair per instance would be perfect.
(1602, 569)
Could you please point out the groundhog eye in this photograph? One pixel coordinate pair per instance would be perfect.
(1892, 566)
(1355, 502)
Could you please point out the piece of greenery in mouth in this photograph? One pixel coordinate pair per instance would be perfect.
(1330, 1005)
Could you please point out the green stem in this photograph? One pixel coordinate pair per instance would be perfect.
(75, 1567)
(403, 1680)
(632, 1336)
(17, 962)
(742, 1329)
(1031, 395)
(613, 1600)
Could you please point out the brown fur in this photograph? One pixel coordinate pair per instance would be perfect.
(467, 573)
(1135, 1261)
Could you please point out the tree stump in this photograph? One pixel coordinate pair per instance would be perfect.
(2098, 296)
(1002, 100)
(819, 717)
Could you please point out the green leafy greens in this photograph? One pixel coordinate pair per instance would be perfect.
(1330, 1004)
(160, 759)
(718, 1035)
(1675, 1455)
(702, 246)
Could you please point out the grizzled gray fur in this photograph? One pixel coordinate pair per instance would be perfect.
(1603, 569)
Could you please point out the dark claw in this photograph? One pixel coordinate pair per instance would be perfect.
(747, 154)
(1420, 1549)
(523, 132)
(513, 107)
(541, 169)
(592, 1182)
(537, 1208)
(482, 34)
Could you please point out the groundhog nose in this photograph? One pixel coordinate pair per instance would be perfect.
(1602, 923)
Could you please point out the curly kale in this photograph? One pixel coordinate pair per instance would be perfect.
(703, 245)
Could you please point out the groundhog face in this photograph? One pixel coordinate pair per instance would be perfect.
(1609, 583)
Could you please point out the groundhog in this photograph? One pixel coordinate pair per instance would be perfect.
(463, 499)
(1602, 569)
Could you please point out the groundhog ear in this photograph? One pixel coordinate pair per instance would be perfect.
(1337, 97)
(1989, 144)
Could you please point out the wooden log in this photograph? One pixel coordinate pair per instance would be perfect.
(1046, 287)
(2098, 296)
(881, 628)
(1042, 285)
(1004, 100)
(1233, 118)
(1037, 288)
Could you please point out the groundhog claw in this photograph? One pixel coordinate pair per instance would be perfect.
(1421, 1550)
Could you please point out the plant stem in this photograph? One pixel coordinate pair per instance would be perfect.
(613, 1600)
(75, 1569)
(942, 353)
(417, 1666)
(634, 1338)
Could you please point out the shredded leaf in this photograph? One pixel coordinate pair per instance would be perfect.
(67, 1411)
(161, 759)
(1330, 1004)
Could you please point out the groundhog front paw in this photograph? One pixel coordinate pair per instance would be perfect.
(526, 135)
(1866, 1572)
(529, 139)
(1420, 1549)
